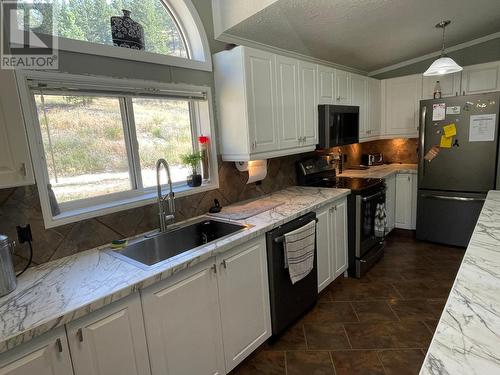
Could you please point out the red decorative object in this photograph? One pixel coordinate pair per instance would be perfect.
(203, 139)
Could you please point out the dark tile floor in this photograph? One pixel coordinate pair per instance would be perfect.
(381, 324)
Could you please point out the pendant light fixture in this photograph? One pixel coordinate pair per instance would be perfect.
(443, 65)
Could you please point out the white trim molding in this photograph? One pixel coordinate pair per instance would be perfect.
(431, 55)
(191, 28)
(229, 38)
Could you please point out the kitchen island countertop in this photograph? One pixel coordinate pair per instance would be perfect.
(467, 338)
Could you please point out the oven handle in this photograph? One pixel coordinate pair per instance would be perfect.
(463, 199)
(373, 196)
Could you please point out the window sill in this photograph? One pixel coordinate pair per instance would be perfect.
(139, 200)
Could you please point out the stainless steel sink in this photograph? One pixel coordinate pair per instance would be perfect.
(162, 246)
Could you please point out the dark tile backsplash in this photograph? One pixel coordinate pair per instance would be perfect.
(21, 205)
(400, 150)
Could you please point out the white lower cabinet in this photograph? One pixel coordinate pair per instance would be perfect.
(340, 237)
(244, 300)
(208, 318)
(390, 202)
(405, 211)
(331, 240)
(44, 355)
(324, 248)
(110, 340)
(182, 320)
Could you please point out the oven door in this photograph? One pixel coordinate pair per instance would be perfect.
(370, 223)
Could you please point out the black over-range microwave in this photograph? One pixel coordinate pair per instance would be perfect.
(338, 125)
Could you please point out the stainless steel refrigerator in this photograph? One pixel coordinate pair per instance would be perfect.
(452, 187)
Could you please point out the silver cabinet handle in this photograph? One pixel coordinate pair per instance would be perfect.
(59, 345)
(445, 197)
(214, 268)
(224, 263)
(79, 333)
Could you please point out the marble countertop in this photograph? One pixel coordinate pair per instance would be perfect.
(54, 293)
(380, 171)
(467, 338)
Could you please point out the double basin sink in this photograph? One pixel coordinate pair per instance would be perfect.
(156, 248)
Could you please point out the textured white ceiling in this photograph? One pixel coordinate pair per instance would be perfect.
(368, 34)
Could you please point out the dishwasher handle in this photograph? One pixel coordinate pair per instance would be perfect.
(281, 239)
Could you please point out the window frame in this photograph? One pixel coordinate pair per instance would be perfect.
(202, 122)
(192, 32)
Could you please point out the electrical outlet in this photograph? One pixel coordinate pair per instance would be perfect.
(24, 233)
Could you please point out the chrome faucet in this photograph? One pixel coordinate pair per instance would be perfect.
(164, 217)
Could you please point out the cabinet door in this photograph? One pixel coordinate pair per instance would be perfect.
(450, 85)
(343, 87)
(358, 98)
(326, 85)
(374, 104)
(403, 201)
(287, 79)
(390, 201)
(182, 321)
(340, 237)
(260, 86)
(44, 355)
(325, 248)
(110, 340)
(15, 161)
(244, 300)
(401, 101)
(308, 103)
(481, 78)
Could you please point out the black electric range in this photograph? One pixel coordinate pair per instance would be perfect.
(366, 201)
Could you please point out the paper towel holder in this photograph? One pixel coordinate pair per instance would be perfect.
(242, 166)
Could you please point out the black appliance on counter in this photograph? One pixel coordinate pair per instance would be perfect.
(288, 301)
(338, 125)
(365, 248)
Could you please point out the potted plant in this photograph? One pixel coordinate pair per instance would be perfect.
(192, 161)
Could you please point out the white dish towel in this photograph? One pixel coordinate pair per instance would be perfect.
(299, 251)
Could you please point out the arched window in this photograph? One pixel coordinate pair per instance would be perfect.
(173, 31)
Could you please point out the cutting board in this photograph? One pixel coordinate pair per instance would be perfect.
(246, 209)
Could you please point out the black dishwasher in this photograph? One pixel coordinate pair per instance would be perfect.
(288, 301)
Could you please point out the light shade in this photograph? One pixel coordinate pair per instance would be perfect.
(443, 65)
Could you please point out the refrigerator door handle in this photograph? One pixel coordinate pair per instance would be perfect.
(445, 197)
(421, 164)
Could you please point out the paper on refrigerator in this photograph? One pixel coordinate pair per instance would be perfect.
(482, 128)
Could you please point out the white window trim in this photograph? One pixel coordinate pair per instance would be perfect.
(204, 120)
(190, 25)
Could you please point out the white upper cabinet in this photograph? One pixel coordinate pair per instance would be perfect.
(342, 87)
(481, 78)
(44, 355)
(258, 94)
(260, 70)
(401, 97)
(308, 104)
(287, 83)
(15, 161)
(358, 98)
(326, 85)
(182, 319)
(450, 85)
(110, 340)
(374, 108)
(244, 300)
